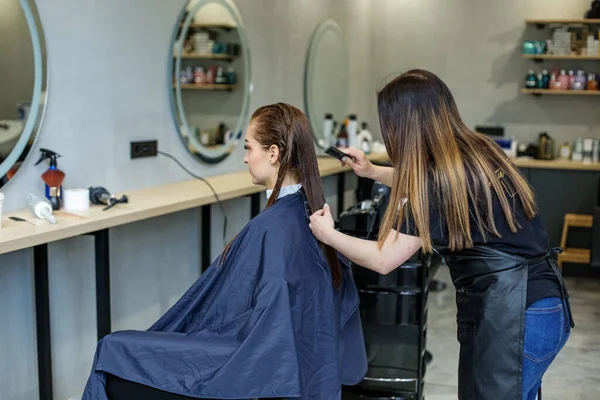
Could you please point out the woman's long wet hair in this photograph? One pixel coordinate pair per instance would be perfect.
(286, 127)
(436, 155)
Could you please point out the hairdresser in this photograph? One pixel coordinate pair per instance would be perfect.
(454, 191)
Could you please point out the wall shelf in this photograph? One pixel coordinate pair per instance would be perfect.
(559, 57)
(193, 86)
(207, 56)
(557, 21)
(212, 26)
(539, 92)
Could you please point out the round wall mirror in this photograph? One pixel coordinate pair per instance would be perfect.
(210, 78)
(326, 80)
(23, 83)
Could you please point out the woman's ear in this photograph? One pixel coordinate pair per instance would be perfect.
(273, 154)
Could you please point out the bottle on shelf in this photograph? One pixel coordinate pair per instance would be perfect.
(352, 130)
(328, 129)
(545, 79)
(231, 76)
(579, 81)
(342, 138)
(563, 80)
(531, 80)
(592, 83)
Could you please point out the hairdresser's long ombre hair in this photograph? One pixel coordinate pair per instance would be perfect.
(287, 127)
(435, 154)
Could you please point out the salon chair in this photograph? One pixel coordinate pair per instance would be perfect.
(121, 389)
(364, 191)
(393, 310)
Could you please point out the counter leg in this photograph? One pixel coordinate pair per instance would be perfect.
(205, 257)
(103, 316)
(42, 319)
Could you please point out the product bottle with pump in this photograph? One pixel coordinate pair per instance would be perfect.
(352, 130)
(545, 79)
(53, 178)
(342, 139)
(328, 129)
(579, 81)
(365, 138)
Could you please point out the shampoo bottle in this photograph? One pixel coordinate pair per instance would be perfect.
(365, 138)
(53, 178)
(352, 130)
(531, 80)
(545, 79)
(328, 129)
(579, 81)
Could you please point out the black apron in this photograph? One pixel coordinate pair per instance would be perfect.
(491, 291)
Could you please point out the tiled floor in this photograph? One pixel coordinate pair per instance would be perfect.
(574, 375)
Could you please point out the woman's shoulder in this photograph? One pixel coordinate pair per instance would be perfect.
(284, 215)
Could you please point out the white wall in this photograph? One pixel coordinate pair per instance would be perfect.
(475, 47)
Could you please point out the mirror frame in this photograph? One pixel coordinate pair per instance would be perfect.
(176, 102)
(36, 113)
(324, 26)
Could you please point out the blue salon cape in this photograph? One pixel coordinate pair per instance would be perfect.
(266, 323)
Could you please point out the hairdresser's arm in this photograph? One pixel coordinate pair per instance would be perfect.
(363, 167)
(395, 251)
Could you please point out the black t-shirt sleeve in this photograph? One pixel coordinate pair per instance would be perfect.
(436, 225)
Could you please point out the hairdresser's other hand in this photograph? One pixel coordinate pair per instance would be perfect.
(361, 165)
(322, 224)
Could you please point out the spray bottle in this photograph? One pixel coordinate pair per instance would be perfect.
(53, 178)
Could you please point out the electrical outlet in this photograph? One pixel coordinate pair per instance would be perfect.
(148, 148)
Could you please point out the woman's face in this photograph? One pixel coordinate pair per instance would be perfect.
(262, 163)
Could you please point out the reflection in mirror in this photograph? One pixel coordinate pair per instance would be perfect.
(23, 83)
(210, 82)
(326, 80)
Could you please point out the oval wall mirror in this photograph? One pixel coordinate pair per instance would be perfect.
(210, 78)
(23, 83)
(327, 74)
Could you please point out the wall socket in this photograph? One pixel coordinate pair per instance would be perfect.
(148, 148)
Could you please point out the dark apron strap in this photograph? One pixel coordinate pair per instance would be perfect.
(563, 288)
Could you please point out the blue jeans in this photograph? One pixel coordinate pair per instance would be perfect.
(546, 332)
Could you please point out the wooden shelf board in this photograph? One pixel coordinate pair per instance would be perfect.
(206, 56)
(553, 57)
(562, 92)
(212, 26)
(556, 164)
(561, 21)
(191, 86)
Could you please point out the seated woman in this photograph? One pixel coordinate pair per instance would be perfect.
(275, 316)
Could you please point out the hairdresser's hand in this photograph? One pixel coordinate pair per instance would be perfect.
(322, 224)
(361, 165)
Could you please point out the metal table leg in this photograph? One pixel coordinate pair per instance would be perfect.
(103, 316)
(254, 205)
(341, 189)
(205, 240)
(42, 319)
